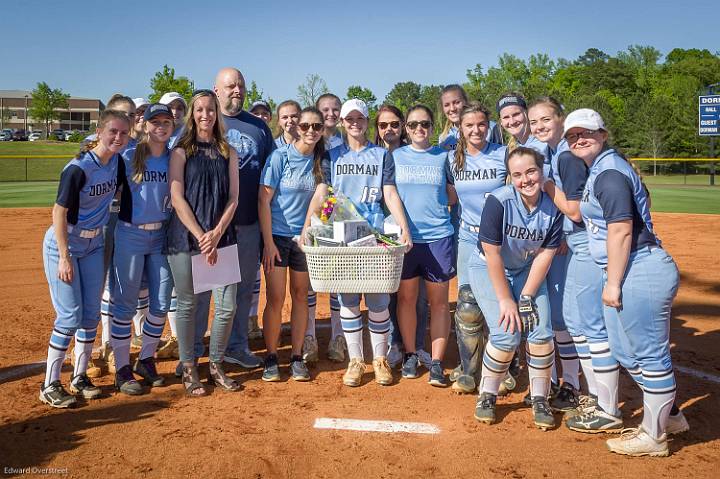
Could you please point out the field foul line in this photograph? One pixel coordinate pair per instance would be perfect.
(375, 426)
(698, 374)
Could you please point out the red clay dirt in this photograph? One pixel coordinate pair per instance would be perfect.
(266, 430)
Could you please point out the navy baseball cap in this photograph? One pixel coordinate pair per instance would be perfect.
(260, 104)
(156, 109)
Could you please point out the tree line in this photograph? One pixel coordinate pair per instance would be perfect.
(648, 100)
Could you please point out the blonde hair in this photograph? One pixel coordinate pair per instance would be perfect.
(105, 117)
(472, 107)
(118, 98)
(447, 89)
(188, 141)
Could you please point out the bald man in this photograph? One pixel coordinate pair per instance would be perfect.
(253, 141)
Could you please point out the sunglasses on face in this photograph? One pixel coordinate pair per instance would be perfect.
(316, 127)
(425, 124)
(575, 137)
(383, 125)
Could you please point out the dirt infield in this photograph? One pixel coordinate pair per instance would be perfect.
(266, 430)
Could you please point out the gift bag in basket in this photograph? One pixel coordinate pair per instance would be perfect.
(347, 269)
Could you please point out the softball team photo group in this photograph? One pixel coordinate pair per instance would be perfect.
(546, 226)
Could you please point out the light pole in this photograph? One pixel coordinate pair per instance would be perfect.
(26, 105)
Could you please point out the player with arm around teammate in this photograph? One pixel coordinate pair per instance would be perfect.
(73, 256)
(479, 169)
(520, 229)
(640, 277)
(140, 236)
(365, 173)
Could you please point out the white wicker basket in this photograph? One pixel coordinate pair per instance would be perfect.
(345, 269)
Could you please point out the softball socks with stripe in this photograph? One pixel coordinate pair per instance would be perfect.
(352, 326)
(152, 331)
(496, 363)
(540, 359)
(312, 305)
(607, 375)
(658, 398)
(120, 335)
(141, 311)
(379, 326)
(105, 315)
(568, 358)
(583, 351)
(57, 348)
(84, 340)
(335, 321)
(172, 313)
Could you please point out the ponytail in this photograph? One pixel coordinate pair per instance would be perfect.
(142, 151)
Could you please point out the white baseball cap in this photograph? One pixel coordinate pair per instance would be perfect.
(140, 102)
(354, 104)
(584, 118)
(170, 97)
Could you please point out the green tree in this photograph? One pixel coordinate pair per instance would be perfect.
(310, 91)
(364, 94)
(165, 81)
(404, 95)
(46, 104)
(252, 95)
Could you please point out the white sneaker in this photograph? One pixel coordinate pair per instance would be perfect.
(395, 356)
(310, 349)
(425, 358)
(676, 424)
(637, 442)
(337, 349)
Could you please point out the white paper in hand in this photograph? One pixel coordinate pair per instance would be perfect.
(226, 271)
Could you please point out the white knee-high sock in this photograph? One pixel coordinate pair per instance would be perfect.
(659, 395)
(141, 311)
(84, 339)
(352, 325)
(57, 348)
(607, 374)
(256, 295)
(583, 352)
(335, 321)
(105, 315)
(568, 358)
(379, 326)
(494, 367)
(171, 314)
(312, 304)
(540, 358)
(152, 331)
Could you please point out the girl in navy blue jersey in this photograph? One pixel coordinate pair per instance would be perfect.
(73, 255)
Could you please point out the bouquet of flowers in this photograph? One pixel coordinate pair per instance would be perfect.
(328, 206)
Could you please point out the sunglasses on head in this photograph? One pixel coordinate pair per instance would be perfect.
(203, 92)
(384, 124)
(425, 124)
(316, 127)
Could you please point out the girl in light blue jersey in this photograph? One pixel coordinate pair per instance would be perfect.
(640, 277)
(73, 255)
(288, 181)
(479, 169)
(365, 173)
(520, 229)
(329, 105)
(140, 236)
(453, 100)
(424, 182)
(288, 116)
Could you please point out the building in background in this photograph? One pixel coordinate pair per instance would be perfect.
(81, 114)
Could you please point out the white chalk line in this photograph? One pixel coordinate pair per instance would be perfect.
(375, 426)
(698, 374)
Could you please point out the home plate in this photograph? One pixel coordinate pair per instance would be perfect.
(375, 426)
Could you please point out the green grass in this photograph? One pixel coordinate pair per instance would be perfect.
(32, 169)
(22, 148)
(698, 180)
(27, 193)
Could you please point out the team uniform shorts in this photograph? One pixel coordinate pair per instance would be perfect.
(432, 261)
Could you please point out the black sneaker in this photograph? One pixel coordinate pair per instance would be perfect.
(125, 382)
(542, 413)
(485, 408)
(55, 395)
(410, 366)
(271, 372)
(147, 370)
(437, 375)
(566, 399)
(81, 384)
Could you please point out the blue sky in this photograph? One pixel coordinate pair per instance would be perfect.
(94, 49)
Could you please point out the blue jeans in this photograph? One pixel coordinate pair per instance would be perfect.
(484, 293)
(77, 304)
(248, 243)
(642, 324)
